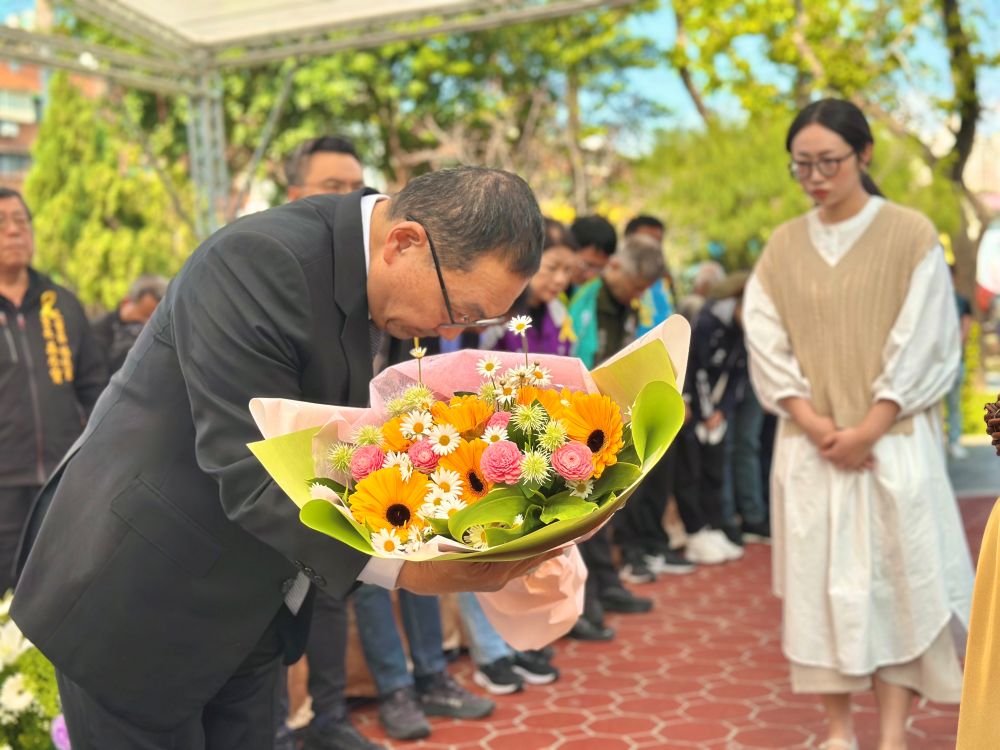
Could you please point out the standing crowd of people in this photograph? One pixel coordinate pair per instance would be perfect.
(812, 399)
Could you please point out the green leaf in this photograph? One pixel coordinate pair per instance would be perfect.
(440, 526)
(657, 416)
(321, 516)
(563, 507)
(497, 510)
(616, 477)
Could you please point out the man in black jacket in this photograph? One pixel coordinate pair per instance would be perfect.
(51, 374)
(168, 563)
(117, 331)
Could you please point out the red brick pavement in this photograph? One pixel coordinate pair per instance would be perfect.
(703, 670)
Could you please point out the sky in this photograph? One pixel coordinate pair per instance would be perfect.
(665, 85)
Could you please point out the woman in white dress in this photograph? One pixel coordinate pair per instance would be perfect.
(851, 324)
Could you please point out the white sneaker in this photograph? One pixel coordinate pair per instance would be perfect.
(721, 541)
(958, 452)
(702, 549)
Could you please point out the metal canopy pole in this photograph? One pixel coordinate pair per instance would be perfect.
(207, 152)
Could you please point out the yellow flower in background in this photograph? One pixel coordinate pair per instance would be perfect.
(385, 501)
(595, 421)
(465, 462)
(393, 435)
(467, 414)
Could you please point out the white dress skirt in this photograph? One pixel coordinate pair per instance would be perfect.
(873, 567)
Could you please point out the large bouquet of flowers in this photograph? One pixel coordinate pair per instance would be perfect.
(29, 698)
(481, 455)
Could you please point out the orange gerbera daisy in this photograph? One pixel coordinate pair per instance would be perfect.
(384, 500)
(465, 460)
(394, 440)
(467, 414)
(595, 421)
(549, 398)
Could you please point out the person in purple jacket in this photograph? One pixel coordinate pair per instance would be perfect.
(544, 300)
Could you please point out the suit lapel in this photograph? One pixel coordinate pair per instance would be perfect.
(350, 291)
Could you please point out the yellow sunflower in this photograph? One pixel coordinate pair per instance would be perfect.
(595, 421)
(384, 500)
(465, 461)
(549, 398)
(467, 414)
(394, 440)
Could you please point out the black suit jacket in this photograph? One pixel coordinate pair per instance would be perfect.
(166, 549)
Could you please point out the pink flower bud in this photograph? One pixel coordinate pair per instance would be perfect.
(574, 462)
(501, 462)
(499, 419)
(366, 459)
(423, 457)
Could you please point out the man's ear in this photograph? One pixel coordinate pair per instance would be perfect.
(403, 238)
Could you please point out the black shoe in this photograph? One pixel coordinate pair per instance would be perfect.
(534, 668)
(759, 532)
(401, 715)
(498, 677)
(338, 735)
(452, 654)
(624, 601)
(585, 630)
(440, 695)
(548, 652)
(734, 534)
(636, 570)
(670, 563)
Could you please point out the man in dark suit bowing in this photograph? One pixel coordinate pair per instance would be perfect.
(163, 577)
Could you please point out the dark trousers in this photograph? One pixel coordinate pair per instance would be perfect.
(241, 716)
(326, 651)
(601, 573)
(15, 502)
(698, 482)
(639, 525)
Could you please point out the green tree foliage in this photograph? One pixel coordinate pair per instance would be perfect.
(100, 217)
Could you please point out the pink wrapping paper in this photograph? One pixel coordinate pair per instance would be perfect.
(533, 611)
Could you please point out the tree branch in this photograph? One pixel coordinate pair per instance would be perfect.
(685, 72)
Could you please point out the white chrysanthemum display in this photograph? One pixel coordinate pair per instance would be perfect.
(15, 697)
(494, 434)
(582, 489)
(416, 425)
(489, 367)
(519, 324)
(444, 439)
(12, 644)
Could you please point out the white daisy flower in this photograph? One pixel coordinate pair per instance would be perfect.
(319, 491)
(387, 541)
(429, 510)
(418, 352)
(582, 489)
(519, 324)
(451, 507)
(489, 367)
(518, 521)
(521, 375)
(417, 424)
(507, 393)
(540, 376)
(475, 536)
(448, 482)
(444, 439)
(494, 434)
(401, 461)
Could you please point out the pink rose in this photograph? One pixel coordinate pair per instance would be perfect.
(366, 459)
(423, 457)
(501, 462)
(499, 419)
(574, 462)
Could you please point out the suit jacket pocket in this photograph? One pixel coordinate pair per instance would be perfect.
(165, 526)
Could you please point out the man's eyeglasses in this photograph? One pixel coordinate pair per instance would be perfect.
(464, 321)
(827, 166)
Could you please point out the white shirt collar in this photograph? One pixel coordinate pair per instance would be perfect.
(367, 209)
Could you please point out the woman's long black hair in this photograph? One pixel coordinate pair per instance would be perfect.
(844, 119)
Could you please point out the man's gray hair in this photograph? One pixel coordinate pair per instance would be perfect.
(471, 212)
(708, 275)
(641, 257)
(149, 284)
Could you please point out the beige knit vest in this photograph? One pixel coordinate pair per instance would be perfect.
(839, 318)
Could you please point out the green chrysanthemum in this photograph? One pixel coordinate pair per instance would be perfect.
(529, 418)
(419, 397)
(488, 392)
(397, 406)
(553, 436)
(535, 467)
(369, 434)
(340, 455)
